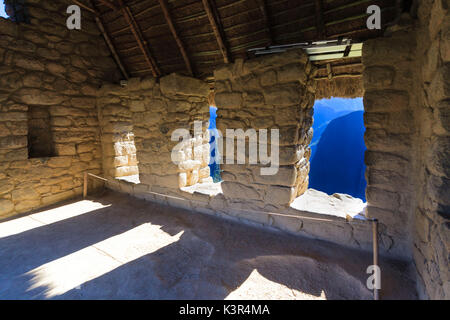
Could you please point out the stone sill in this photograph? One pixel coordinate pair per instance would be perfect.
(312, 202)
(134, 179)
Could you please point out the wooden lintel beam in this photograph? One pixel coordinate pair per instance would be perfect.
(172, 28)
(139, 39)
(320, 21)
(217, 30)
(265, 14)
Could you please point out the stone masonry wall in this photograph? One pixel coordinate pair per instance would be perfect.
(176, 102)
(389, 137)
(270, 92)
(117, 137)
(43, 64)
(431, 234)
(406, 101)
(151, 112)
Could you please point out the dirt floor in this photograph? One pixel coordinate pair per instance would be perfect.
(117, 247)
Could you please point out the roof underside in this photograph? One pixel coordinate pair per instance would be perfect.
(240, 25)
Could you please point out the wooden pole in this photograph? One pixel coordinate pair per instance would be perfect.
(85, 185)
(375, 254)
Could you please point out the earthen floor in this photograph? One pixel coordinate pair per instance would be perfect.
(113, 246)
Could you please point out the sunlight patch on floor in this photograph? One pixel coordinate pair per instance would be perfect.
(257, 287)
(71, 271)
(46, 217)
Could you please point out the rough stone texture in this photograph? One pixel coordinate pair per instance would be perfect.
(406, 102)
(138, 122)
(389, 135)
(117, 137)
(431, 232)
(270, 92)
(45, 66)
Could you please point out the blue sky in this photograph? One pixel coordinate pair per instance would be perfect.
(2, 9)
(340, 104)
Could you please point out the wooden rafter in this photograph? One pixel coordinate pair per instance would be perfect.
(320, 21)
(105, 34)
(92, 8)
(217, 30)
(109, 4)
(265, 14)
(84, 6)
(139, 38)
(172, 28)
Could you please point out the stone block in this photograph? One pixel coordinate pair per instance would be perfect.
(228, 100)
(292, 72)
(38, 97)
(378, 77)
(59, 162)
(175, 84)
(385, 101)
(278, 195)
(24, 194)
(286, 176)
(6, 207)
(282, 95)
(234, 190)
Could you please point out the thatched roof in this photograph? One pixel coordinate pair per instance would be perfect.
(158, 37)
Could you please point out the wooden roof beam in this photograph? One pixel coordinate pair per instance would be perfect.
(213, 20)
(265, 14)
(139, 38)
(172, 28)
(84, 6)
(109, 4)
(320, 21)
(92, 8)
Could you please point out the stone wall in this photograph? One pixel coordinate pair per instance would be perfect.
(117, 137)
(45, 65)
(151, 112)
(389, 136)
(406, 115)
(431, 234)
(270, 92)
(157, 109)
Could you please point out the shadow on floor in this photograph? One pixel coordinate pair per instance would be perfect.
(212, 259)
